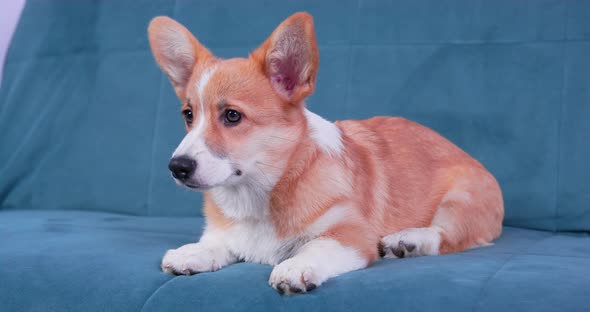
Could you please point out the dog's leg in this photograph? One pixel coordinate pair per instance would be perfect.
(317, 261)
(342, 248)
(469, 215)
(412, 242)
(208, 255)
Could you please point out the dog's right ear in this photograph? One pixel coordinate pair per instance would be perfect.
(176, 50)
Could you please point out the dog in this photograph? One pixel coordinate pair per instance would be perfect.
(285, 187)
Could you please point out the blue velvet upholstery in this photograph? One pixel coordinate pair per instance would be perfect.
(89, 261)
(88, 122)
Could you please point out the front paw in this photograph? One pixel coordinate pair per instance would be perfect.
(291, 277)
(189, 259)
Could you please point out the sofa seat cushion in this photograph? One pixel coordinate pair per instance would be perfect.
(84, 261)
(87, 261)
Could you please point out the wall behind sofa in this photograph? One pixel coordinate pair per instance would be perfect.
(9, 14)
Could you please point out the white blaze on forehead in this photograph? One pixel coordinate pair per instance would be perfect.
(201, 85)
(204, 80)
(193, 143)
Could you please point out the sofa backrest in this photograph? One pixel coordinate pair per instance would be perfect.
(88, 121)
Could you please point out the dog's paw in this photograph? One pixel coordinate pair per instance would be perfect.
(189, 259)
(411, 242)
(291, 277)
(401, 250)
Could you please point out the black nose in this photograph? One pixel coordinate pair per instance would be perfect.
(182, 167)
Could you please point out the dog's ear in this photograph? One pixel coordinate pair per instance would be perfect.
(176, 50)
(290, 58)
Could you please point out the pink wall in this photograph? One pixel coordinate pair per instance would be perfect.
(9, 14)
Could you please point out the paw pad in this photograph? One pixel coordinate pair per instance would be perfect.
(412, 242)
(403, 249)
(288, 288)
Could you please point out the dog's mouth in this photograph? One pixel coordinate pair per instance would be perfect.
(193, 185)
(196, 186)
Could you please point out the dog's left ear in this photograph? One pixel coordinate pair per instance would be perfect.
(290, 58)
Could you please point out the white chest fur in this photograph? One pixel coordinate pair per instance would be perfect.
(251, 237)
(256, 241)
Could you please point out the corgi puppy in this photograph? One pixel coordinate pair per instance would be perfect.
(285, 187)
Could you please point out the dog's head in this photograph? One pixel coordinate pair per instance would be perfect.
(244, 116)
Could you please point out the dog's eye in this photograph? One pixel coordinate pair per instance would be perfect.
(187, 114)
(232, 117)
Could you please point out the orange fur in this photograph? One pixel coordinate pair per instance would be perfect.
(421, 168)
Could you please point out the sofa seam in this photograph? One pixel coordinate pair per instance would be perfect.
(350, 62)
(531, 254)
(98, 228)
(326, 44)
(153, 148)
(560, 116)
(156, 291)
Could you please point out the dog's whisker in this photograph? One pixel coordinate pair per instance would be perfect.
(265, 164)
(278, 137)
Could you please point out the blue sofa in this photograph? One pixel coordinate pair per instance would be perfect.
(88, 123)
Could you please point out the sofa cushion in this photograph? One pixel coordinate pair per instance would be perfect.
(85, 261)
(88, 121)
